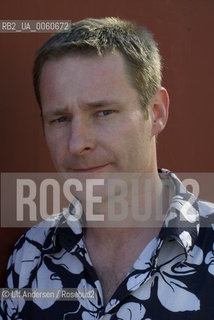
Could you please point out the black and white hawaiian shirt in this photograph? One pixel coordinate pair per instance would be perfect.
(173, 278)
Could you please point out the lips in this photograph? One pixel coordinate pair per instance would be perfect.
(90, 169)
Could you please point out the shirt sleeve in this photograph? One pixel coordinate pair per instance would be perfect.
(9, 305)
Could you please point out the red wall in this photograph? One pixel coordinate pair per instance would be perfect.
(184, 30)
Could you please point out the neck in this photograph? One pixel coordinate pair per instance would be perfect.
(140, 211)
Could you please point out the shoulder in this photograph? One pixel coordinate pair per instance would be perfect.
(206, 208)
(205, 238)
(40, 233)
(206, 213)
(29, 249)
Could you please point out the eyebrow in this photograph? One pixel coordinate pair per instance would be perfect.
(56, 112)
(89, 105)
(102, 103)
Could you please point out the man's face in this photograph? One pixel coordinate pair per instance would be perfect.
(93, 119)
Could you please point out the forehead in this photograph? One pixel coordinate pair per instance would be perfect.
(85, 75)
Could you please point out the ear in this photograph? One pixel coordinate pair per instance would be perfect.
(159, 108)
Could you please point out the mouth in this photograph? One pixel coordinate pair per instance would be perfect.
(91, 169)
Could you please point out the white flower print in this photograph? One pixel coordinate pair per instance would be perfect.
(184, 208)
(171, 290)
(210, 261)
(131, 311)
(90, 305)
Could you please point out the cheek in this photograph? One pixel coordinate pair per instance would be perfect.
(55, 145)
(56, 137)
(139, 143)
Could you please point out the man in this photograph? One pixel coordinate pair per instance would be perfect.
(102, 105)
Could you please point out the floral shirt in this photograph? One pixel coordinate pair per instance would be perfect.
(173, 278)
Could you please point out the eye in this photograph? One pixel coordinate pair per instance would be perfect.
(104, 113)
(59, 121)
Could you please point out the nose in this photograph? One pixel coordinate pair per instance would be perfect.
(81, 138)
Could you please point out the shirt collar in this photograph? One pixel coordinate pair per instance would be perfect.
(181, 222)
(182, 217)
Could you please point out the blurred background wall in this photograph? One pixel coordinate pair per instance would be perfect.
(184, 31)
